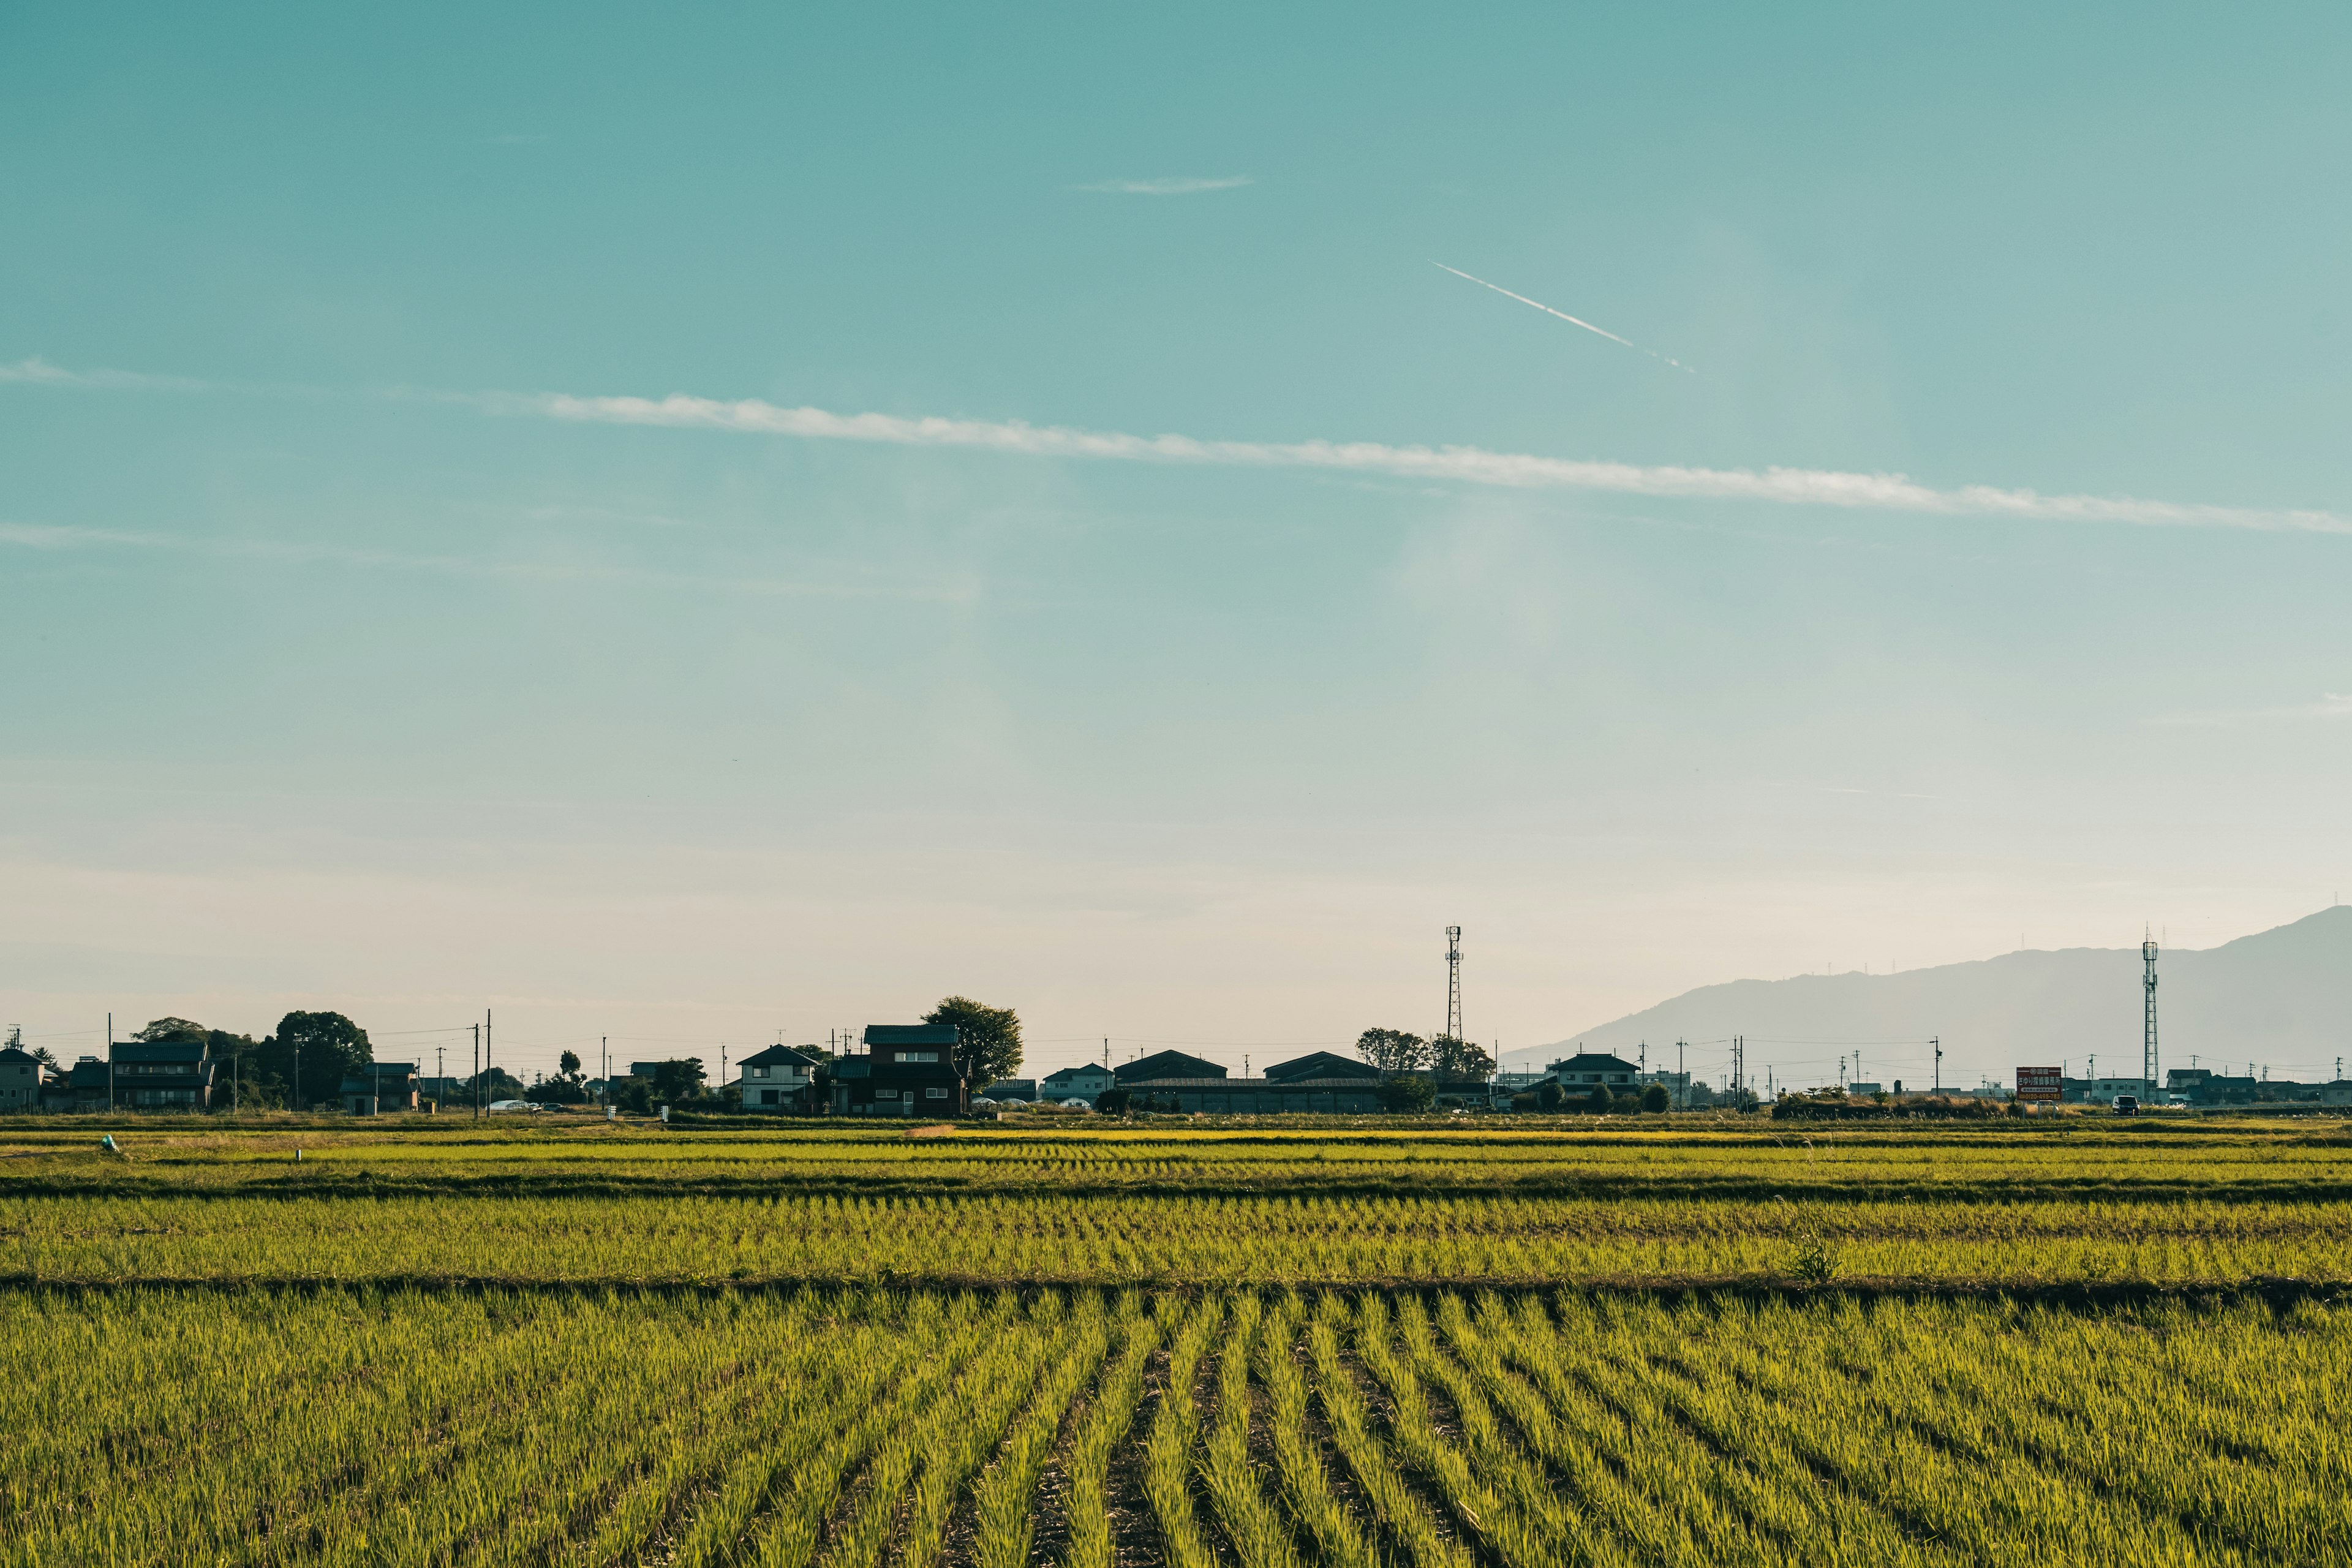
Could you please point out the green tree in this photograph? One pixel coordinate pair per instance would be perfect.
(172, 1031)
(312, 1053)
(1600, 1100)
(1393, 1050)
(1550, 1095)
(1115, 1102)
(1407, 1094)
(1460, 1059)
(1655, 1098)
(987, 1039)
(677, 1080)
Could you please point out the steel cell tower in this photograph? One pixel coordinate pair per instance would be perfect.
(1453, 981)
(2148, 1042)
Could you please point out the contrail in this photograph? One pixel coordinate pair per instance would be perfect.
(1563, 315)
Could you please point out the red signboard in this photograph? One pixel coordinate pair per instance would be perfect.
(2039, 1083)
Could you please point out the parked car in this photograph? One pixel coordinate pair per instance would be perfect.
(511, 1107)
(2126, 1105)
(1076, 1105)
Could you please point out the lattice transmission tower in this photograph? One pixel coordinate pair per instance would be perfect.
(2147, 1040)
(1454, 982)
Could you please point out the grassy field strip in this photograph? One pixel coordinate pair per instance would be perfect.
(1072, 1353)
(1339, 1541)
(1259, 1534)
(1004, 1500)
(1367, 1459)
(935, 1438)
(1649, 1533)
(947, 1336)
(1307, 1241)
(1105, 1423)
(1168, 1450)
(1491, 1515)
(1747, 1498)
(1531, 1505)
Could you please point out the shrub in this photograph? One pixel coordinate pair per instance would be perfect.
(1407, 1094)
(1656, 1097)
(1548, 1096)
(1599, 1101)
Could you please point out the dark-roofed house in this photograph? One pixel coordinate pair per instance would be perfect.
(1582, 1072)
(1086, 1081)
(1321, 1083)
(908, 1069)
(380, 1088)
(81, 1086)
(163, 1075)
(21, 1077)
(1160, 1066)
(778, 1078)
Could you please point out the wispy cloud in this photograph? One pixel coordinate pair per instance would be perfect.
(1892, 492)
(40, 373)
(2333, 705)
(1466, 465)
(1187, 185)
(1563, 315)
(53, 537)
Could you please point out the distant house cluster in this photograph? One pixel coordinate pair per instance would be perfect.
(172, 1075)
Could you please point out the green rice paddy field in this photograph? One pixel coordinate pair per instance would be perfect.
(1428, 1344)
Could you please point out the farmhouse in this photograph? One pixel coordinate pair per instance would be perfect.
(1320, 1082)
(21, 1077)
(169, 1074)
(1088, 1083)
(1585, 1070)
(908, 1069)
(778, 1078)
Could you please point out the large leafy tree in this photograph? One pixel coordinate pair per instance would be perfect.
(987, 1039)
(316, 1051)
(1460, 1059)
(1393, 1050)
(172, 1031)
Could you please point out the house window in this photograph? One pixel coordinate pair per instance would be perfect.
(936, 1093)
(759, 1072)
(919, 1055)
(885, 1094)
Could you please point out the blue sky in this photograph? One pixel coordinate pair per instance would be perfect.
(349, 666)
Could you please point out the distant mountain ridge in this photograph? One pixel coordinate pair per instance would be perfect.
(2282, 996)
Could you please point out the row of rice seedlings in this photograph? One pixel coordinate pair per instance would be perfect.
(1339, 1541)
(1168, 1450)
(1536, 1519)
(1377, 1473)
(789, 1536)
(1259, 1534)
(1579, 1453)
(2019, 1406)
(990, 1396)
(1507, 1529)
(1004, 1500)
(861, 1358)
(1741, 1500)
(1086, 1504)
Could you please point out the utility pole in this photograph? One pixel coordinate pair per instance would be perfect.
(440, 1072)
(722, 1067)
(109, 1061)
(1937, 1041)
(604, 1068)
(490, 1055)
(477, 1072)
(1682, 1080)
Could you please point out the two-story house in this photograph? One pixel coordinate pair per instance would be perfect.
(21, 1077)
(1086, 1082)
(778, 1078)
(162, 1075)
(908, 1069)
(1588, 1070)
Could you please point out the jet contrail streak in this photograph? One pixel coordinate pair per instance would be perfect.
(1564, 316)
